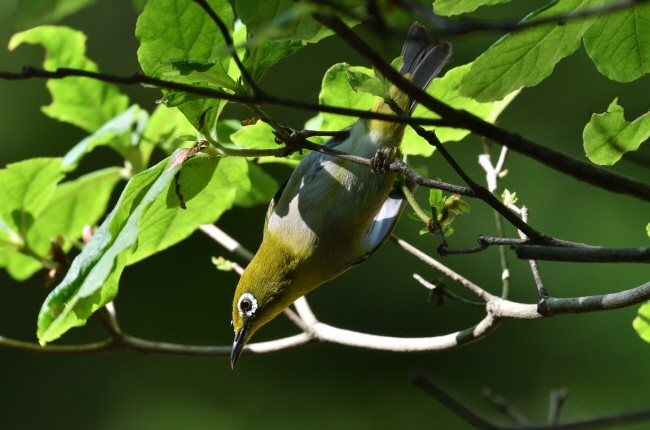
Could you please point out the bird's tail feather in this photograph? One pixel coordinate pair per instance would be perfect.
(423, 57)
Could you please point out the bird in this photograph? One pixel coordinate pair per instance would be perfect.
(332, 214)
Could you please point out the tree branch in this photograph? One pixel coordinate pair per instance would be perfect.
(583, 255)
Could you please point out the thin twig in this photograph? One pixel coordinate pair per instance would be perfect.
(557, 399)
(502, 405)
(226, 241)
(447, 292)
(492, 178)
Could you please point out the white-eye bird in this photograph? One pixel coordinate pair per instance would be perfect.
(331, 214)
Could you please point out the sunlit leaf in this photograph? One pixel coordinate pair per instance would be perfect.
(194, 72)
(526, 57)
(336, 91)
(260, 136)
(84, 102)
(116, 133)
(619, 42)
(93, 277)
(362, 83)
(608, 135)
(26, 188)
(162, 227)
(182, 29)
(261, 56)
(165, 126)
(642, 322)
(73, 205)
(456, 7)
(263, 188)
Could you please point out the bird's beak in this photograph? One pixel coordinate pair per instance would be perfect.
(238, 345)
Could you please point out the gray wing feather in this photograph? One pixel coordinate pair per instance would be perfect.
(383, 224)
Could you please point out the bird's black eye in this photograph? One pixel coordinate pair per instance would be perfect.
(247, 305)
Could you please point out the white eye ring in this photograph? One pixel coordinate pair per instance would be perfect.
(249, 301)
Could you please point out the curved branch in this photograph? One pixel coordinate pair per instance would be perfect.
(328, 333)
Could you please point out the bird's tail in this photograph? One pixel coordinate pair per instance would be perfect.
(423, 58)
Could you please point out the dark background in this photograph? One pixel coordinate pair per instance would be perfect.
(177, 296)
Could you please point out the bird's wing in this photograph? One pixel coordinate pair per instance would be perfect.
(382, 225)
(304, 169)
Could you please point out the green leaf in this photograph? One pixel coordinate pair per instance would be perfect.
(256, 136)
(165, 126)
(362, 83)
(162, 227)
(647, 229)
(436, 199)
(642, 322)
(92, 280)
(283, 19)
(263, 188)
(26, 188)
(116, 133)
(526, 57)
(19, 266)
(260, 136)
(74, 204)
(31, 13)
(608, 135)
(336, 91)
(456, 7)
(181, 29)
(222, 264)
(36, 210)
(619, 43)
(194, 72)
(261, 56)
(454, 204)
(446, 89)
(193, 177)
(84, 102)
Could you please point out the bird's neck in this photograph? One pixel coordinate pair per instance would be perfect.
(394, 129)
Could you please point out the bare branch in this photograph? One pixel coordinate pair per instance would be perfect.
(442, 268)
(583, 255)
(502, 405)
(557, 399)
(226, 241)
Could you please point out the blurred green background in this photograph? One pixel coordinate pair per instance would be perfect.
(177, 295)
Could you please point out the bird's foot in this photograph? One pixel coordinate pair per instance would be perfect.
(380, 163)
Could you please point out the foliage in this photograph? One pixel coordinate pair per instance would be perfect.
(180, 43)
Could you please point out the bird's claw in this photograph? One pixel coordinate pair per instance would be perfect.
(295, 142)
(380, 163)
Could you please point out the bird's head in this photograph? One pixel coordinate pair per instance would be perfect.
(271, 282)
